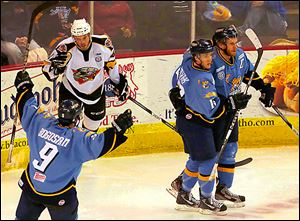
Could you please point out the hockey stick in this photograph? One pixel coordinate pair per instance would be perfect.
(255, 41)
(154, 115)
(35, 12)
(285, 120)
(239, 163)
(243, 162)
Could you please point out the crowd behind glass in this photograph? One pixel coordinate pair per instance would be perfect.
(136, 26)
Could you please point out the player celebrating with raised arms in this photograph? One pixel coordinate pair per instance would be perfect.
(197, 105)
(58, 148)
(82, 59)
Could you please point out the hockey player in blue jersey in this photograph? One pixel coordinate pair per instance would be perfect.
(230, 68)
(197, 105)
(58, 148)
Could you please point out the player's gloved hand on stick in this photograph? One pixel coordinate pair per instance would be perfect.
(121, 89)
(23, 81)
(176, 99)
(267, 95)
(123, 122)
(238, 101)
(59, 62)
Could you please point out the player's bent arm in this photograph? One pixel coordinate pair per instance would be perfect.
(112, 140)
(90, 145)
(257, 82)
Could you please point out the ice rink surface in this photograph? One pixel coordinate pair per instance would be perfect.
(133, 187)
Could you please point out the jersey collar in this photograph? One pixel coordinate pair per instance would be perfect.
(198, 69)
(221, 56)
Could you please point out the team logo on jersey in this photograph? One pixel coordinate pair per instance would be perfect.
(236, 84)
(205, 84)
(39, 177)
(221, 75)
(188, 116)
(61, 202)
(85, 74)
(98, 58)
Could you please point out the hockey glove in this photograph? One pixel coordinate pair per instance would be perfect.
(23, 81)
(238, 101)
(176, 99)
(267, 95)
(59, 62)
(121, 89)
(123, 122)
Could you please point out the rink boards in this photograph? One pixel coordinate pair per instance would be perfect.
(149, 79)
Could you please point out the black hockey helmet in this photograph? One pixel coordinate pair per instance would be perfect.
(223, 33)
(201, 46)
(69, 111)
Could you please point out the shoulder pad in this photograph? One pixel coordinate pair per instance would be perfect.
(65, 45)
(103, 40)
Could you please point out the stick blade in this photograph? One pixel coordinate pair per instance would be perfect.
(253, 37)
(243, 162)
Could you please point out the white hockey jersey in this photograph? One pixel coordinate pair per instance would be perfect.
(84, 72)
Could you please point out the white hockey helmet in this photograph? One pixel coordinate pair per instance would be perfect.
(80, 27)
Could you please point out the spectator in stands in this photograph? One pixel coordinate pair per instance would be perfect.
(53, 25)
(217, 12)
(113, 18)
(162, 25)
(10, 53)
(15, 17)
(14, 29)
(210, 16)
(15, 54)
(266, 18)
(4, 59)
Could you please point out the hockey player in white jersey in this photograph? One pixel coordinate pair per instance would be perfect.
(82, 60)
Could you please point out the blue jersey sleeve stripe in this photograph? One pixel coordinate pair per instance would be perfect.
(21, 100)
(113, 144)
(18, 102)
(257, 78)
(112, 140)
